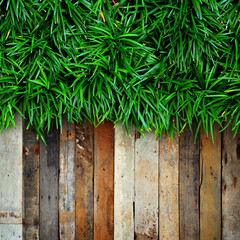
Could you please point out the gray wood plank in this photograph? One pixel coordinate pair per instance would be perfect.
(124, 183)
(49, 186)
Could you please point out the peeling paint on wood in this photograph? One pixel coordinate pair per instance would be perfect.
(168, 188)
(11, 181)
(104, 181)
(189, 184)
(67, 181)
(146, 187)
(230, 186)
(210, 185)
(124, 183)
(31, 184)
(84, 181)
(49, 186)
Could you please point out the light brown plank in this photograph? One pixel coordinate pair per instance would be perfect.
(168, 187)
(31, 184)
(104, 181)
(210, 185)
(49, 186)
(124, 183)
(189, 184)
(230, 185)
(84, 181)
(67, 181)
(146, 187)
(11, 184)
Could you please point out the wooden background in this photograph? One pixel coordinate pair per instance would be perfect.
(102, 184)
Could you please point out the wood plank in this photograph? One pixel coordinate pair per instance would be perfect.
(168, 187)
(104, 181)
(11, 232)
(189, 184)
(230, 185)
(146, 187)
(124, 183)
(49, 186)
(31, 184)
(11, 180)
(210, 185)
(67, 181)
(84, 181)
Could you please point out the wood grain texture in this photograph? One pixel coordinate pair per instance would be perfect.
(11, 183)
(31, 184)
(124, 183)
(67, 181)
(189, 184)
(146, 187)
(49, 186)
(210, 185)
(168, 187)
(84, 181)
(230, 185)
(104, 181)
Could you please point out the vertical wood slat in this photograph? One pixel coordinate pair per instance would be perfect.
(124, 183)
(189, 184)
(67, 181)
(31, 184)
(210, 185)
(11, 182)
(84, 181)
(168, 187)
(104, 181)
(146, 187)
(230, 185)
(49, 186)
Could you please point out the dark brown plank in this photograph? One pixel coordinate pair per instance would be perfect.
(230, 185)
(189, 185)
(84, 181)
(210, 185)
(67, 181)
(49, 186)
(31, 184)
(103, 181)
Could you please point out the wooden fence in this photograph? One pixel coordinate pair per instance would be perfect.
(102, 184)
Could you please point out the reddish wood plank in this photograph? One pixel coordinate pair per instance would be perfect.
(189, 184)
(67, 181)
(103, 181)
(168, 187)
(84, 181)
(210, 185)
(31, 184)
(49, 186)
(230, 185)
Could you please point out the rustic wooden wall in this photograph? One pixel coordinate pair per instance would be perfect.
(103, 184)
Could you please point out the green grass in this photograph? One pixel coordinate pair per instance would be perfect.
(156, 64)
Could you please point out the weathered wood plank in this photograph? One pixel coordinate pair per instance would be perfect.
(11, 181)
(49, 186)
(104, 181)
(31, 184)
(230, 185)
(67, 181)
(189, 184)
(11, 232)
(168, 187)
(146, 187)
(210, 185)
(84, 181)
(124, 183)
